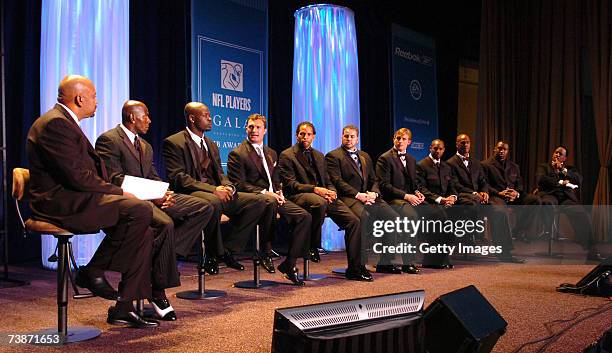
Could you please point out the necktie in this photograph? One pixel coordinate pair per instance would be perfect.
(308, 155)
(204, 151)
(265, 165)
(139, 150)
(355, 156)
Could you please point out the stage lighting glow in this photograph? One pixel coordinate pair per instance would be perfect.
(326, 81)
(90, 38)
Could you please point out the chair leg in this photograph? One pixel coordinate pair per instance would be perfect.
(63, 333)
(201, 293)
(256, 282)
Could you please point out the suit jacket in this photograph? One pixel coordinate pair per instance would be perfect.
(344, 174)
(295, 172)
(434, 185)
(548, 182)
(121, 157)
(394, 180)
(501, 177)
(246, 171)
(182, 164)
(469, 179)
(67, 177)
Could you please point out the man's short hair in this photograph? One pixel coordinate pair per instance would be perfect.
(351, 127)
(307, 123)
(257, 116)
(565, 148)
(403, 131)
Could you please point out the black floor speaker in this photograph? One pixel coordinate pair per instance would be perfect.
(598, 282)
(383, 324)
(462, 321)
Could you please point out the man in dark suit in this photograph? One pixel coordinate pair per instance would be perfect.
(306, 183)
(193, 166)
(506, 187)
(70, 188)
(352, 173)
(177, 218)
(473, 191)
(558, 184)
(252, 168)
(438, 186)
(399, 185)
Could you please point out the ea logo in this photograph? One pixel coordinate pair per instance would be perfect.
(415, 90)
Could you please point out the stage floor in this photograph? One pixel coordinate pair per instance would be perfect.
(524, 294)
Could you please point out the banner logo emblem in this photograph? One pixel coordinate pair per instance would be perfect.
(415, 90)
(231, 75)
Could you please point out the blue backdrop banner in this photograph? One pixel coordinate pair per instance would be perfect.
(415, 99)
(229, 65)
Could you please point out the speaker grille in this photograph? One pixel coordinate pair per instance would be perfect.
(350, 311)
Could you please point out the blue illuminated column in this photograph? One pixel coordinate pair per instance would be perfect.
(89, 38)
(326, 81)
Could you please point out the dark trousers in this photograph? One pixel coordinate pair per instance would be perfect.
(497, 214)
(299, 221)
(577, 215)
(341, 215)
(525, 216)
(435, 212)
(177, 229)
(404, 209)
(367, 214)
(244, 211)
(127, 248)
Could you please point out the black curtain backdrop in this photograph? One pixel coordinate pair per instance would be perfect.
(21, 24)
(160, 71)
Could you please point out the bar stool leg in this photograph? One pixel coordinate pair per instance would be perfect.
(63, 334)
(256, 282)
(554, 228)
(201, 293)
(307, 276)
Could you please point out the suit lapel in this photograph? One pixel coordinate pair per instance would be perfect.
(302, 160)
(191, 146)
(346, 156)
(127, 142)
(256, 160)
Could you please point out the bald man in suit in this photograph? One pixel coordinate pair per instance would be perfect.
(70, 188)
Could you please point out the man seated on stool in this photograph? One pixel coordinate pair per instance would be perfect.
(506, 187)
(438, 186)
(178, 219)
(70, 188)
(305, 182)
(399, 184)
(473, 191)
(352, 173)
(558, 184)
(252, 168)
(193, 166)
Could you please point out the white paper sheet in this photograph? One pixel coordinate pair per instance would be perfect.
(144, 189)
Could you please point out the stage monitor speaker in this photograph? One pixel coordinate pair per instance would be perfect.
(598, 282)
(381, 324)
(462, 321)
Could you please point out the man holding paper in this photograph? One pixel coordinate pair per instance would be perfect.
(177, 219)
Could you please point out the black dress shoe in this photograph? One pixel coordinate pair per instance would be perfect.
(163, 310)
(98, 286)
(210, 264)
(595, 256)
(411, 269)
(291, 273)
(131, 319)
(267, 264)
(314, 256)
(440, 267)
(358, 274)
(392, 269)
(231, 262)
